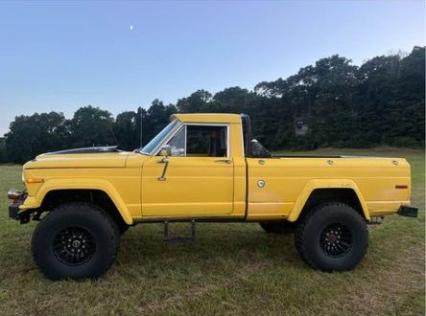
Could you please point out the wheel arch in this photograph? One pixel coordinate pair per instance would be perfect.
(321, 191)
(88, 190)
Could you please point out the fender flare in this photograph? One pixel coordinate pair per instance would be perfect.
(79, 184)
(326, 184)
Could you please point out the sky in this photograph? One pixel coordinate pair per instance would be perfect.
(118, 55)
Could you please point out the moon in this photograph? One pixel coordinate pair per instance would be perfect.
(131, 27)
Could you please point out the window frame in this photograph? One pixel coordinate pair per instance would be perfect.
(185, 126)
(167, 138)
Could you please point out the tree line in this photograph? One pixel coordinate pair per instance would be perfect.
(331, 103)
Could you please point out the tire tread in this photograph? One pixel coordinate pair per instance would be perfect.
(300, 233)
(75, 207)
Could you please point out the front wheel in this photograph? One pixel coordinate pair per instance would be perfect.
(76, 240)
(332, 237)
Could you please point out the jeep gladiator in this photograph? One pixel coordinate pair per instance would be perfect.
(200, 168)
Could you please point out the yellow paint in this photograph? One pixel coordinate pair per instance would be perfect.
(290, 181)
(192, 187)
(197, 187)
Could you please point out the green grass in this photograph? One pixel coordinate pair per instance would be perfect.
(229, 269)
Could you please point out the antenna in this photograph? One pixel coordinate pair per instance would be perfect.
(140, 136)
(113, 135)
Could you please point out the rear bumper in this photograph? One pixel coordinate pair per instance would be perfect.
(408, 211)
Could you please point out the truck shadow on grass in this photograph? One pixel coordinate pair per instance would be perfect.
(215, 246)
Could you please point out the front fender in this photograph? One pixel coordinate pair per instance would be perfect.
(325, 184)
(35, 201)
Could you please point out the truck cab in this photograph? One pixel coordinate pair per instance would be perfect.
(202, 168)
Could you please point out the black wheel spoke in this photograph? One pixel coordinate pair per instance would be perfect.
(347, 245)
(74, 246)
(336, 240)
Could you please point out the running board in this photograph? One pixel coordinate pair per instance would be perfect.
(169, 239)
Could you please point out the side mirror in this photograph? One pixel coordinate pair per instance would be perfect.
(165, 151)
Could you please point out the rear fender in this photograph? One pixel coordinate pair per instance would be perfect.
(326, 184)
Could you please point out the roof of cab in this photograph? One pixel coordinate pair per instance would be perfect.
(208, 117)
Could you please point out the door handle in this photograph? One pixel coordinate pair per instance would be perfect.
(228, 161)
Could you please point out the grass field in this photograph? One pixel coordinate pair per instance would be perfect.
(229, 269)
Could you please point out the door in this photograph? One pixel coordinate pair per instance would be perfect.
(196, 180)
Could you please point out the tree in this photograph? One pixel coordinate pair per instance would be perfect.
(157, 116)
(127, 130)
(92, 126)
(382, 102)
(35, 134)
(3, 153)
(196, 102)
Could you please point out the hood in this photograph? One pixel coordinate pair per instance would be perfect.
(86, 150)
(89, 157)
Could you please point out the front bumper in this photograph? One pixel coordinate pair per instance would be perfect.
(16, 199)
(408, 211)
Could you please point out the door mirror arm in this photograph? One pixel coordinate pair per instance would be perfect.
(165, 151)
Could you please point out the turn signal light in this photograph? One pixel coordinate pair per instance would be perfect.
(401, 186)
(34, 180)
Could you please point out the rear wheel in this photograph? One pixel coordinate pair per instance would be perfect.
(332, 237)
(76, 240)
(277, 227)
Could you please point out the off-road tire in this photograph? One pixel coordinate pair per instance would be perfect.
(277, 227)
(122, 227)
(314, 247)
(102, 235)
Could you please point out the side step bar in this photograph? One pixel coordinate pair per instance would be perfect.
(169, 239)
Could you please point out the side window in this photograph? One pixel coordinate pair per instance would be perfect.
(206, 141)
(200, 141)
(177, 143)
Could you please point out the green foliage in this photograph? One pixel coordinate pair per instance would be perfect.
(199, 101)
(382, 102)
(92, 126)
(126, 128)
(3, 154)
(35, 134)
(157, 116)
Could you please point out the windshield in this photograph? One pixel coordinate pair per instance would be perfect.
(159, 138)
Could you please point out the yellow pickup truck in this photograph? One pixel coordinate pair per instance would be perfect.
(200, 168)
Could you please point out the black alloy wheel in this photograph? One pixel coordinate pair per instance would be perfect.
(74, 246)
